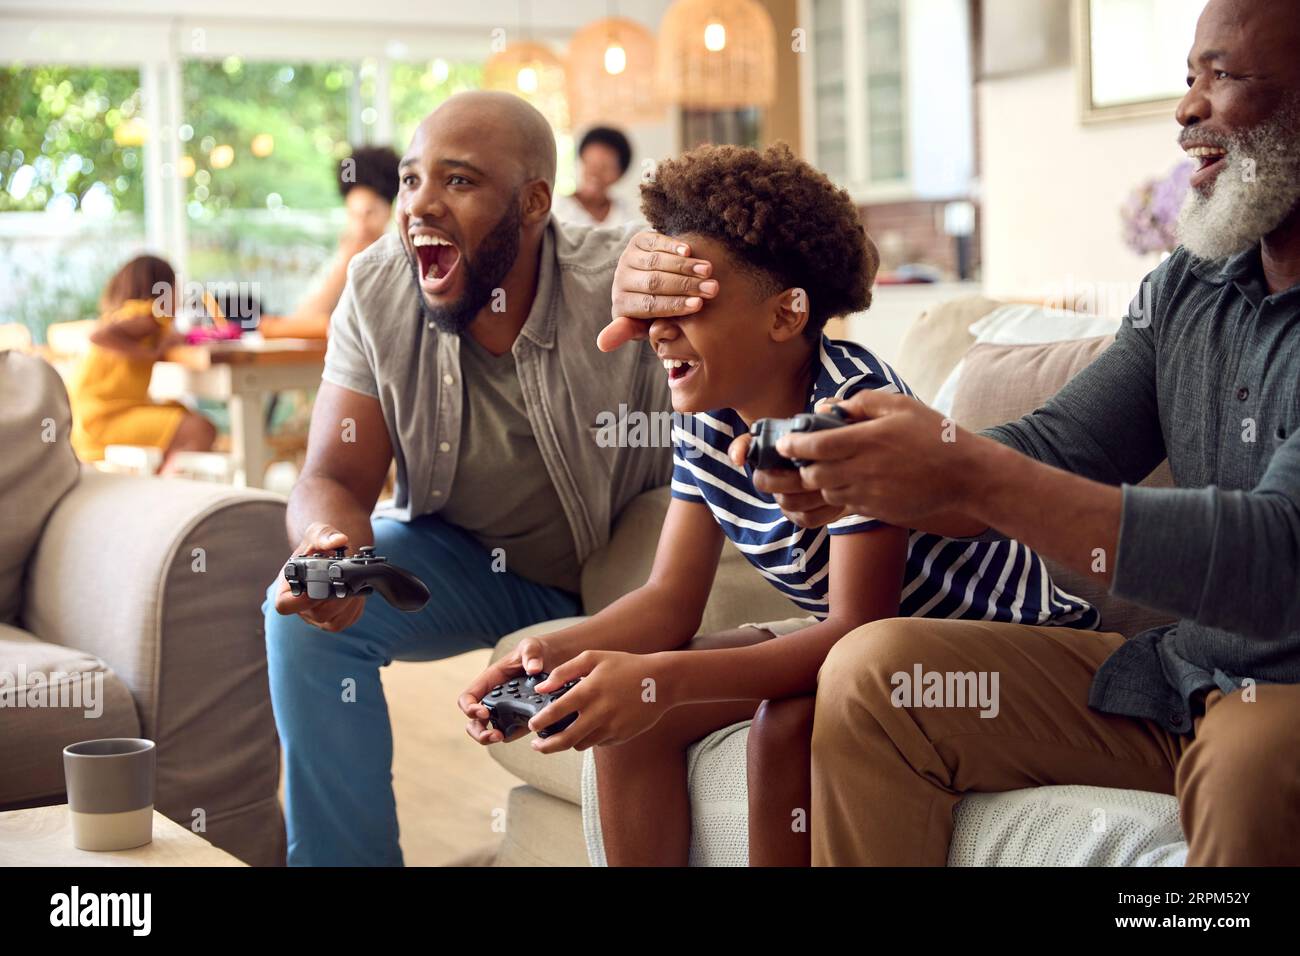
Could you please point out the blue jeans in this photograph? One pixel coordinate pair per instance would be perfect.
(337, 740)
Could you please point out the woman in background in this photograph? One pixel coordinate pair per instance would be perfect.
(368, 183)
(109, 390)
(604, 155)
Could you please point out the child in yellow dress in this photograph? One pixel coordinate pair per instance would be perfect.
(110, 388)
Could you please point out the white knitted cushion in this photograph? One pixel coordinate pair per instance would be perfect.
(715, 774)
(1044, 826)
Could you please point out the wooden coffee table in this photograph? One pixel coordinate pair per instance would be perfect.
(42, 836)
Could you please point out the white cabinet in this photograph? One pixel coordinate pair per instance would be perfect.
(887, 96)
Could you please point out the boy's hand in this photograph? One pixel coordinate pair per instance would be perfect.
(529, 656)
(656, 278)
(620, 696)
(803, 505)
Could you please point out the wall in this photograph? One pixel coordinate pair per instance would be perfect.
(1052, 188)
(939, 108)
(781, 119)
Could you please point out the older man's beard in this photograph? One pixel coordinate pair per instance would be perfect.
(484, 273)
(1257, 189)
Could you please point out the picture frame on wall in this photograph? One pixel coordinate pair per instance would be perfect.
(1131, 56)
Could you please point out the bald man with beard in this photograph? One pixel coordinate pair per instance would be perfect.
(463, 348)
(1205, 371)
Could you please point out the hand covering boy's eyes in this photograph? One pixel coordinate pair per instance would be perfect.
(656, 278)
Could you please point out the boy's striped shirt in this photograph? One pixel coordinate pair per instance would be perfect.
(979, 580)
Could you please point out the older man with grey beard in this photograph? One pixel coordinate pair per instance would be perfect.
(1204, 371)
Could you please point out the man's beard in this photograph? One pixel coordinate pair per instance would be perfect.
(493, 259)
(1258, 187)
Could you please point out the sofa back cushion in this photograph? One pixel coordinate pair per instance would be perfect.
(935, 343)
(37, 466)
(740, 594)
(1001, 383)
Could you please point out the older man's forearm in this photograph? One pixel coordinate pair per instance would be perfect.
(1225, 559)
(1072, 520)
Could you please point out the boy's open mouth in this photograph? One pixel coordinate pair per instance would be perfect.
(439, 259)
(679, 370)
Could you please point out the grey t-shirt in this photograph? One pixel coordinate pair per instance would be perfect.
(501, 493)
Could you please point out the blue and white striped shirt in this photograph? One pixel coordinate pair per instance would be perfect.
(944, 578)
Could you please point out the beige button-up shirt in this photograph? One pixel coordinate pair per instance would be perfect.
(381, 346)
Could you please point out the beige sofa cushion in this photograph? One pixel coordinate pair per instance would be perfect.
(1001, 383)
(554, 774)
(935, 343)
(37, 468)
(541, 830)
(180, 623)
(98, 705)
(740, 594)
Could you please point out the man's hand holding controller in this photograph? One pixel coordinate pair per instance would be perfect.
(329, 614)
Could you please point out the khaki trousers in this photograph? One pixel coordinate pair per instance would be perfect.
(886, 777)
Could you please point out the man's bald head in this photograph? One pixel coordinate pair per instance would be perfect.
(506, 122)
(473, 202)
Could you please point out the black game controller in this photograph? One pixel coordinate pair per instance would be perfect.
(513, 704)
(766, 431)
(339, 576)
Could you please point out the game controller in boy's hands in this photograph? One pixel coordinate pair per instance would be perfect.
(513, 704)
(338, 576)
(762, 452)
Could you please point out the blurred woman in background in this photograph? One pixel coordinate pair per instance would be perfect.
(368, 183)
(604, 155)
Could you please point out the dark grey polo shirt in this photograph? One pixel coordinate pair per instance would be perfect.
(1205, 371)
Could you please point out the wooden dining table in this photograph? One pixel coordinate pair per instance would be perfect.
(244, 374)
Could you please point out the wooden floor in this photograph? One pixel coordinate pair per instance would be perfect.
(450, 793)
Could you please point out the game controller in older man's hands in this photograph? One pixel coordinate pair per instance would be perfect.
(766, 432)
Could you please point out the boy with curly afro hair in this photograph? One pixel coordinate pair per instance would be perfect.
(788, 252)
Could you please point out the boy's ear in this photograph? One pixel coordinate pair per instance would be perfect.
(789, 314)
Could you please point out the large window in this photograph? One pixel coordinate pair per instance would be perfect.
(417, 89)
(220, 156)
(260, 144)
(71, 188)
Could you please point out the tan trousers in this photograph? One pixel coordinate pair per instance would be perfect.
(886, 778)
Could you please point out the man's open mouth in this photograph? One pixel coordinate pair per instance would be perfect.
(1210, 162)
(439, 259)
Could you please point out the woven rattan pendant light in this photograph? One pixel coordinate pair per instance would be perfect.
(611, 76)
(530, 70)
(717, 55)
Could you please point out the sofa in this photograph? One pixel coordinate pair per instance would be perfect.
(135, 605)
(547, 822)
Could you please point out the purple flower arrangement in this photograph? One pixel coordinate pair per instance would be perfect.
(1150, 214)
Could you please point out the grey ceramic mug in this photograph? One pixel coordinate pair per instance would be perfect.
(110, 786)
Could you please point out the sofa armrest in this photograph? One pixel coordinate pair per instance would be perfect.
(164, 580)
